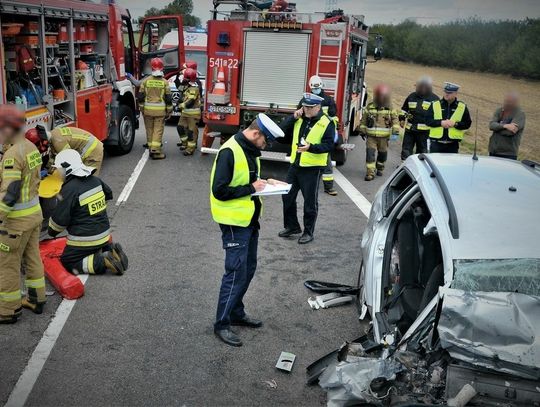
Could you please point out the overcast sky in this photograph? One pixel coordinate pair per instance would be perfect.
(389, 11)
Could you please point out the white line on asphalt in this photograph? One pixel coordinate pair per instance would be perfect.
(124, 195)
(359, 200)
(26, 382)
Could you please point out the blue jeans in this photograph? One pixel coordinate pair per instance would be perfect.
(240, 244)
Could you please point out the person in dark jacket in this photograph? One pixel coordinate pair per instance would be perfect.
(414, 111)
(507, 125)
(312, 139)
(235, 178)
(448, 119)
(82, 211)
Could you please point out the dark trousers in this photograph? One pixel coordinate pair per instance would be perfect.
(240, 244)
(437, 147)
(510, 157)
(84, 260)
(307, 181)
(412, 139)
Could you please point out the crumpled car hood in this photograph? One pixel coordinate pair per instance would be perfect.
(495, 330)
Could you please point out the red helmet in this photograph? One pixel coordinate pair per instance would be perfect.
(190, 75)
(11, 116)
(156, 64)
(38, 137)
(191, 64)
(381, 90)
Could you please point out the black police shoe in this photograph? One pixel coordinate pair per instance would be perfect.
(288, 232)
(305, 238)
(228, 336)
(247, 321)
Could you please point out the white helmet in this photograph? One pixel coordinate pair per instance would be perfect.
(315, 82)
(70, 163)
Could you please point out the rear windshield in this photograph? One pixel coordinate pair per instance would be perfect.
(503, 275)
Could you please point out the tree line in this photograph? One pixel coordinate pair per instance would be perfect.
(505, 47)
(183, 7)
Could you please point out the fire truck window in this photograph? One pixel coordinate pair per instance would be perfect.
(160, 34)
(128, 45)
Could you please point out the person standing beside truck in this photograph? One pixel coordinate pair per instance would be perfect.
(190, 113)
(20, 219)
(155, 102)
(507, 125)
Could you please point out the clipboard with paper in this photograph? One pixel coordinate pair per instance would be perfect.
(280, 188)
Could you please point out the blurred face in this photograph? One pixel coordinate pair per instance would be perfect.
(511, 101)
(450, 96)
(422, 89)
(311, 111)
(6, 134)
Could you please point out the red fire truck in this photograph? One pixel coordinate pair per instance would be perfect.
(261, 61)
(64, 62)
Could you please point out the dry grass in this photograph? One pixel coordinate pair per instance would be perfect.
(482, 92)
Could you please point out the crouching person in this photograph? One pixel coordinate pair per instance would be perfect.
(82, 210)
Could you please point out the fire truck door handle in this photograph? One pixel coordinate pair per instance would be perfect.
(86, 105)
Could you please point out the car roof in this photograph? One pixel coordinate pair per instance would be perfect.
(494, 221)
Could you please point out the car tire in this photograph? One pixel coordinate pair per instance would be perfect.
(125, 130)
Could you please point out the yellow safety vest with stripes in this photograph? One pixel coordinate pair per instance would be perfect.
(239, 211)
(21, 164)
(457, 116)
(314, 136)
(155, 90)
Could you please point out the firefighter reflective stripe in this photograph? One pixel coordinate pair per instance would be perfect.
(55, 226)
(89, 147)
(328, 177)
(314, 136)
(412, 105)
(382, 111)
(10, 296)
(422, 126)
(35, 283)
(95, 199)
(11, 174)
(89, 241)
(379, 131)
(88, 265)
(91, 192)
(192, 112)
(22, 209)
(453, 133)
(239, 211)
(154, 106)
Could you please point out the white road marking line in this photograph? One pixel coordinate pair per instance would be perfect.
(359, 200)
(124, 195)
(26, 382)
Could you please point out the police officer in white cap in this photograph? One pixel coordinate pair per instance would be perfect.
(312, 139)
(235, 177)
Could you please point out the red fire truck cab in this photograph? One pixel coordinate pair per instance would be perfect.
(64, 62)
(261, 61)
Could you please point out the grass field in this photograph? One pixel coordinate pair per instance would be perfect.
(482, 92)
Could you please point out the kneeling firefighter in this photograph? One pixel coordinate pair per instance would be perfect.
(190, 113)
(20, 219)
(82, 210)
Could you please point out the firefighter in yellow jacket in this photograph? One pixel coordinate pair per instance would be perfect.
(190, 109)
(20, 219)
(155, 101)
(63, 138)
(379, 122)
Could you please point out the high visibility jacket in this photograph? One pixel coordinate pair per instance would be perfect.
(239, 211)
(84, 142)
(416, 107)
(379, 121)
(156, 99)
(82, 210)
(191, 102)
(19, 185)
(453, 133)
(314, 136)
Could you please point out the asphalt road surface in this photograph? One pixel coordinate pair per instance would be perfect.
(146, 338)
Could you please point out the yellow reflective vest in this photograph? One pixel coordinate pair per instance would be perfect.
(453, 133)
(239, 211)
(314, 136)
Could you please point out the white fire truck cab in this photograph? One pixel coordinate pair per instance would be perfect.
(261, 61)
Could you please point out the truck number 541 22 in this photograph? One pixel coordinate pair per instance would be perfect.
(223, 63)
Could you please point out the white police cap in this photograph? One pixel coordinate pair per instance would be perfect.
(310, 99)
(450, 87)
(269, 128)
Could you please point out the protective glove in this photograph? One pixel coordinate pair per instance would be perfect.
(394, 137)
(43, 173)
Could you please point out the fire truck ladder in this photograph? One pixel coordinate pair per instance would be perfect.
(328, 76)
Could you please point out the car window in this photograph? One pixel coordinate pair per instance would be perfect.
(502, 275)
(395, 189)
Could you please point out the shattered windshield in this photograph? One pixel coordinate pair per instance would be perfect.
(503, 275)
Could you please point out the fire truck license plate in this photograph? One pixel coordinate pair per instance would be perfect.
(222, 109)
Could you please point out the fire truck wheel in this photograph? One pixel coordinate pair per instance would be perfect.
(126, 132)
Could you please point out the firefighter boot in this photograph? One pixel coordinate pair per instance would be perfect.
(158, 155)
(183, 138)
(191, 145)
(112, 264)
(10, 319)
(120, 255)
(35, 308)
(329, 188)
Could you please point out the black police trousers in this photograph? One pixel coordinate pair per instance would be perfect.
(307, 180)
(438, 147)
(412, 139)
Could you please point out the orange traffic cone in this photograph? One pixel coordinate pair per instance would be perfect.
(219, 89)
(221, 75)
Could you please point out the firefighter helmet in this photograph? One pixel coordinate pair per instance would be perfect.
(11, 116)
(190, 75)
(315, 82)
(38, 136)
(70, 163)
(157, 65)
(190, 64)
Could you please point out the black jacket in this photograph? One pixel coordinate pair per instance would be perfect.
(328, 101)
(418, 114)
(327, 142)
(224, 173)
(447, 111)
(89, 219)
